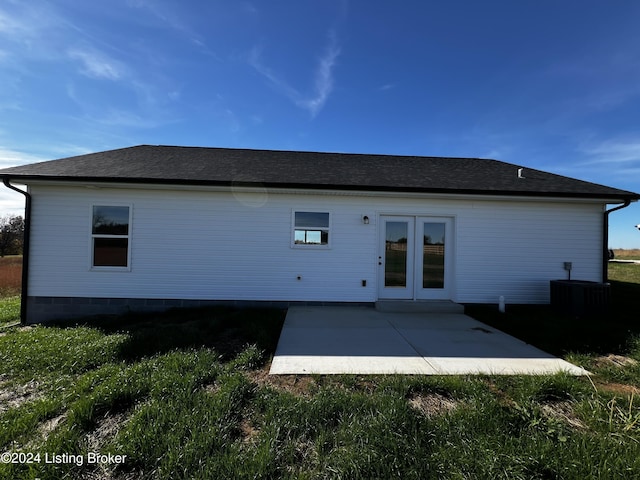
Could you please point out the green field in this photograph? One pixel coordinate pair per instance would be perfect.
(186, 395)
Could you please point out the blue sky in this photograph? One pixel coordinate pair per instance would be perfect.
(553, 85)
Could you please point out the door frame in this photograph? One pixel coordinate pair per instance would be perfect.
(413, 289)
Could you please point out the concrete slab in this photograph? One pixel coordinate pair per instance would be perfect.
(361, 340)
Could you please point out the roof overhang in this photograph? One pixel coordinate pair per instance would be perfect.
(298, 189)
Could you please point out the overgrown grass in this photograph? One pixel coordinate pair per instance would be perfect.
(9, 310)
(163, 399)
(624, 272)
(185, 395)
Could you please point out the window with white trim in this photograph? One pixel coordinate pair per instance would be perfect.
(311, 228)
(110, 236)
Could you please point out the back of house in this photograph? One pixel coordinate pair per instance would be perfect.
(153, 227)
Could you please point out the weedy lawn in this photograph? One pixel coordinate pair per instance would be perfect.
(187, 395)
(9, 311)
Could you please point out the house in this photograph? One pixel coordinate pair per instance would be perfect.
(152, 227)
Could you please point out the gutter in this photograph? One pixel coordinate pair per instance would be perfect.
(25, 250)
(605, 239)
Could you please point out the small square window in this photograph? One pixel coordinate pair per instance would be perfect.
(311, 228)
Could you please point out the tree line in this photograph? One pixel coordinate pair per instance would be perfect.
(11, 235)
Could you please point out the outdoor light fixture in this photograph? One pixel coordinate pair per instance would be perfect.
(365, 220)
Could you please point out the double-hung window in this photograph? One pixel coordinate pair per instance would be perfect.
(110, 237)
(311, 229)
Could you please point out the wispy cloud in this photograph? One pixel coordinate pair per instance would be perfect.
(618, 151)
(11, 158)
(614, 161)
(10, 25)
(171, 18)
(280, 84)
(96, 64)
(123, 118)
(31, 27)
(12, 202)
(250, 8)
(323, 78)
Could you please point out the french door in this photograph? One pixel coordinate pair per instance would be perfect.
(415, 257)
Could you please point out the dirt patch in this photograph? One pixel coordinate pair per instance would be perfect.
(212, 388)
(248, 430)
(107, 428)
(615, 360)
(13, 326)
(305, 452)
(12, 396)
(562, 410)
(50, 425)
(104, 473)
(433, 404)
(619, 388)
(300, 385)
(503, 398)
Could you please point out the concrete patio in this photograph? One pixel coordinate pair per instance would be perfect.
(361, 340)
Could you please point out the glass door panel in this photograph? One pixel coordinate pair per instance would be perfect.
(415, 257)
(395, 254)
(397, 257)
(434, 237)
(433, 245)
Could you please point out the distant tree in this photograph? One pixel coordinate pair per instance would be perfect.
(11, 235)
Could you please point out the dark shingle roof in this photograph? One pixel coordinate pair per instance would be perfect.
(310, 170)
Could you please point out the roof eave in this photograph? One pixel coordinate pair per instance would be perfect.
(608, 197)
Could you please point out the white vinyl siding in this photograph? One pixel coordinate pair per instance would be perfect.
(514, 249)
(204, 244)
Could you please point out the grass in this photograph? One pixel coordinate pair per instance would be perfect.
(9, 311)
(186, 395)
(624, 273)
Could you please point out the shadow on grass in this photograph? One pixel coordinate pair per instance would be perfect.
(559, 334)
(227, 330)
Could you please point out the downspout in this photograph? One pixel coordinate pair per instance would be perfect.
(25, 250)
(605, 240)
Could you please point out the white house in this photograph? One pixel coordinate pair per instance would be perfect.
(152, 227)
